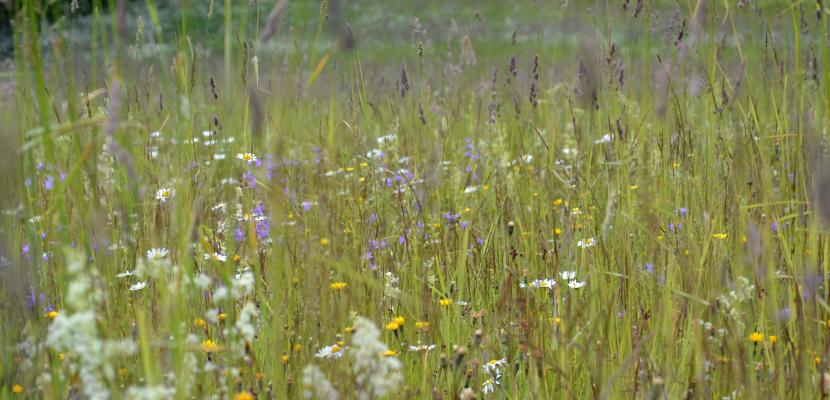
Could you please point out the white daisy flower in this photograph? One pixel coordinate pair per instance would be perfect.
(247, 157)
(585, 243)
(575, 284)
(606, 138)
(422, 347)
(494, 367)
(164, 194)
(567, 275)
(138, 286)
(157, 253)
(155, 134)
(489, 386)
(388, 138)
(216, 257)
(546, 283)
(333, 351)
(124, 274)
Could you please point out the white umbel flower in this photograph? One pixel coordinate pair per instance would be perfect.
(375, 375)
(138, 286)
(316, 386)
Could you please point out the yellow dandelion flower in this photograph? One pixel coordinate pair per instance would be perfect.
(756, 337)
(51, 314)
(324, 242)
(209, 346)
(772, 339)
(284, 358)
(392, 326)
(243, 396)
(348, 329)
(422, 325)
(445, 302)
(199, 322)
(720, 236)
(223, 316)
(399, 320)
(298, 347)
(557, 231)
(557, 202)
(17, 389)
(390, 353)
(338, 285)
(237, 257)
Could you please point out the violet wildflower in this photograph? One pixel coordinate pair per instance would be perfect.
(649, 267)
(49, 183)
(249, 178)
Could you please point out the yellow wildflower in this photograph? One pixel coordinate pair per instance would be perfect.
(17, 389)
(720, 235)
(243, 396)
(209, 346)
(756, 337)
(338, 285)
(422, 325)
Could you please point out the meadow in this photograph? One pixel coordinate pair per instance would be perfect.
(418, 199)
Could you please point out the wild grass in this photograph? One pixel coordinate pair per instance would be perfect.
(473, 204)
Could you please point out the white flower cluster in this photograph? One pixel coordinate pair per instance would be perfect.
(76, 333)
(316, 386)
(375, 375)
(390, 288)
(245, 323)
(743, 291)
(157, 392)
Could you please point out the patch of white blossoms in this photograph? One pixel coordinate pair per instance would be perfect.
(316, 386)
(75, 333)
(375, 375)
